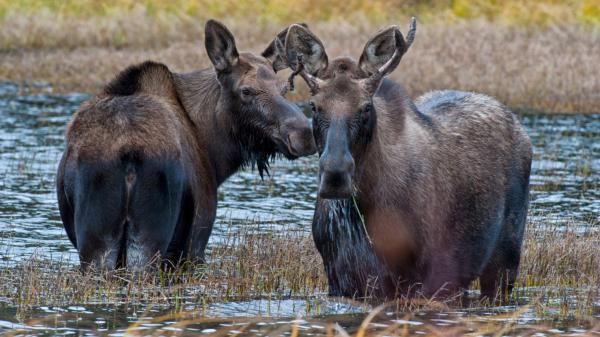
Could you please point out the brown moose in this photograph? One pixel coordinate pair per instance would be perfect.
(144, 158)
(414, 198)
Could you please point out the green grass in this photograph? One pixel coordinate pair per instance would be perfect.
(279, 11)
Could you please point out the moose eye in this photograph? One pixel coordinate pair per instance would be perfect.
(313, 107)
(247, 92)
(367, 108)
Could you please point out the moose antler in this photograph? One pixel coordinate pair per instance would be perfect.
(311, 81)
(299, 68)
(410, 36)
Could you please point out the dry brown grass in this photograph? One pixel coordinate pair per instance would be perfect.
(559, 278)
(245, 265)
(554, 69)
(557, 261)
(562, 263)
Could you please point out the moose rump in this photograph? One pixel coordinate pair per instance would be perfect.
(122, 183)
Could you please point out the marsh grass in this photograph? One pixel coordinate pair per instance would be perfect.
(560, 272)
(550, 66)
(245, 265)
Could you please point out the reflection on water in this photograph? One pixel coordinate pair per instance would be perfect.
(565, 186)
(565, 178)
(120, 321)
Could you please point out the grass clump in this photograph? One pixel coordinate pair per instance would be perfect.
(244, 266)
(248, 265)
(559, 277)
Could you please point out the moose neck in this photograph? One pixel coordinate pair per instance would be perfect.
(395, 155)
(209, 111)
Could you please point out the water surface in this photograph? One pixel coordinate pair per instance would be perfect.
(565, 188)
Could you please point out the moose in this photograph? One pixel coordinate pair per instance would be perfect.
(414, 198)
(144, 158)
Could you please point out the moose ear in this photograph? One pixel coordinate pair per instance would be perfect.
(300, 40)
(380, 49)
(220, 46)
(275, 51)
(382, 54)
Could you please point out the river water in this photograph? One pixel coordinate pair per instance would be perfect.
(565, 188)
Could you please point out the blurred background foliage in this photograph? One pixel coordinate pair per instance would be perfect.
(541, 55)
(511, 12)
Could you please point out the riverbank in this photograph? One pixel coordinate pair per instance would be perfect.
(551, 68)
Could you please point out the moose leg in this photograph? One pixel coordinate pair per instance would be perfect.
(500, 273)
(99, 215)
(201, 228)
(502, 269)
(178, 247)
(154, 210)
(499, 276)
(443, 279)
(64, 194)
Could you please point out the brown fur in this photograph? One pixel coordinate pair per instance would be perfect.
(157, 141)
(442, 183)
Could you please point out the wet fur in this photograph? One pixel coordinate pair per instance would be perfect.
(443, 186)
(142, 165)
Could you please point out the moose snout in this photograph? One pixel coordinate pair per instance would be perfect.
(336, 177)
(298, 138)
(301, 142)
(294, 136)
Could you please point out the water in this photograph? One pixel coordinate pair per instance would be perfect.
(565, 188)
(106, 320)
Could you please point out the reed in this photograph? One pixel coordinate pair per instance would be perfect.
(244, 265)
(551, 68)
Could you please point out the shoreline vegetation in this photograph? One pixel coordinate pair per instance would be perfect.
(559, 274)
(530, 55)
(558, 282)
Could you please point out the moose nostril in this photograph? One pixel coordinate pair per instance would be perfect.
(337, 172)
(335, 178)
(291, 146)
(335, 185)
